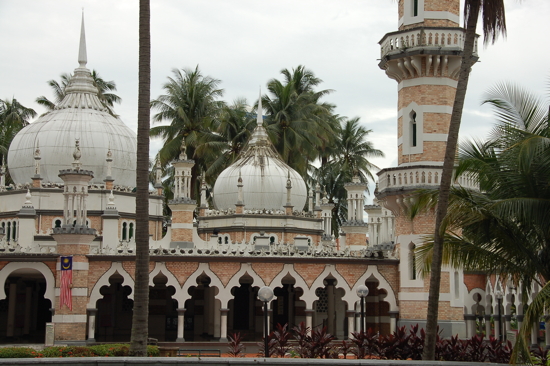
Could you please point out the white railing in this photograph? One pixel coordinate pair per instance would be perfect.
(410, 177)
(423, 37)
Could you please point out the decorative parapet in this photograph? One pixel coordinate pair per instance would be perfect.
(425, 38)
(182, 200)
(418, 176)
(232, 211)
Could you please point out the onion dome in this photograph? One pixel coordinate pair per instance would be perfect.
(80, 115)
(264, 177)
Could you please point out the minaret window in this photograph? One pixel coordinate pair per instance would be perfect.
(124, 231)
(415, 8)
(413, 128)
(131, 231)
(412, 259)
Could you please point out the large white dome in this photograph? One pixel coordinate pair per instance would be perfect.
(79, 116)
(264, 178)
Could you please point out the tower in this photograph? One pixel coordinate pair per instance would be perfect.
(424, 57)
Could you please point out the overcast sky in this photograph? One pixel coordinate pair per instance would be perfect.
(244, 43)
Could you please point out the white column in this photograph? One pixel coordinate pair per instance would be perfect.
(393, 321)
(181, 322)
(223, 325)
(351, 322)
(330, 307)
(309, 318)
(487, 325)
(91, 324)
(534, 335)
(350, 207)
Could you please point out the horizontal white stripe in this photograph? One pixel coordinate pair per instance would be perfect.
(178, 225)
(445, 15)
(427, 80)
(77, 291)
(69, 318)
(79, 266)
(430, 109)
(421, 296)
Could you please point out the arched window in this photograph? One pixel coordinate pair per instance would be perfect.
(415, 8)
(227, 240)
(14, 231)
(412, 261)
(131, 231)
(412, 115)
(124, 231)
(57, 223)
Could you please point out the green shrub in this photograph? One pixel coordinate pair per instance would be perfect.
(18, 352)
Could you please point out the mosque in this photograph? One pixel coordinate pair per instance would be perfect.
(74, 173)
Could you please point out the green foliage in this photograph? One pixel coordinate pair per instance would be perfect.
(102, 350)
(18, 352)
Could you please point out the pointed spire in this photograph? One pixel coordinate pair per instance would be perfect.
(77, 155)
(82, 55)
(28, 197)
(111, 199)
(259, 113)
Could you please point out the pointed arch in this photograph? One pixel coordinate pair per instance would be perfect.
(372, 270)
(160, 267)
(246, 268)
(192, 281)
(38, 266)
(288, 269)
(104, 281)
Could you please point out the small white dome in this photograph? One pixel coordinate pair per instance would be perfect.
(80, 115)
(264, 177)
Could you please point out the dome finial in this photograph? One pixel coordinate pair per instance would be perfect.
(259, 116)
(82, 55)
(183, 155)
(77, 154)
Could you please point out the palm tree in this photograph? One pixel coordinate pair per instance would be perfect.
(138, 346)
(503, 228)
(13, 117)
(350, 157)
(297, 123)
(191, 106)
(233, 129)
(104, 92)
(493, 24)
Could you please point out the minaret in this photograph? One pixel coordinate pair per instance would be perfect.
(3, 174)
(36, 179)
(182, 205)
(158, 178)
(355, 228)
(109, 178)
(424, 57)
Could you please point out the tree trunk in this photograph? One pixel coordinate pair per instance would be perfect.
(446, 180)
(138, 346)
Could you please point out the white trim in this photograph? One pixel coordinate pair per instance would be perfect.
(430, 109)
(445, 15)
(436, 163)
(427, 80)
(69, 319)
(422, 296)
(37, 266)
(77, 266)
(104, 281)
(75, 291)
(438, 137)
(179, 225)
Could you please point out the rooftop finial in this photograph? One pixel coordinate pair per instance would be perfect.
(259, 118)
(183, 154)
(77, 155)
(82, 56)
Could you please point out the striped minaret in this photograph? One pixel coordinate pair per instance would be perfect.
(424, 57)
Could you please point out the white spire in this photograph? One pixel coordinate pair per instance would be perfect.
(259, 117)
(82, 56)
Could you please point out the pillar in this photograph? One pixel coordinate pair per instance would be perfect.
(181, 323)
(330, 307)
(534, 335)
(269, 317)
(350, 314)
(92, 312)
(470, 320)
(393, 320)
(309, 318)
(497, 322)
(487, 325)
(547, 332)
(223, 325)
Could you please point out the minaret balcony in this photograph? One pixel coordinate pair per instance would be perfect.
(403, 180)
(423, 51)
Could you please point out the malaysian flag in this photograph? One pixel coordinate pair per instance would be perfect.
(65, 297)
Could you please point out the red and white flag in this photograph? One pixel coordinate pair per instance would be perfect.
(65, 297)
